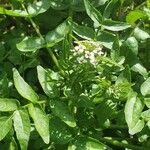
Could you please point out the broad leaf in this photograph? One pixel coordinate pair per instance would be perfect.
(23, 88)
(133, 109)
(87, 143)
(59, 131)
(41, 121)
(83, 31)
(147, 101)
(145, 87)
(57, 34)
(93, 13)
(22, 127)
(7, 104)
(61, 110)
(137, 128)
(115, 25)
(5, 125)
(30, 44)
(106, 38)
(48, 80)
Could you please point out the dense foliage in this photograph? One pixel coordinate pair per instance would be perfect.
(74, 74)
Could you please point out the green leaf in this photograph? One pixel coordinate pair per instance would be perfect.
(87, 143)
(147, 101)
(135, 15)
(133, 109)
(61, 110)
(137, 128)
(38, 7)
(132, 44)
(23, 88)
(59, 131)
(6, 126)
(106, 38)
(22, 127)
(83, 31)
(140, 34)
(146, 115)
(145, 87)
(33, 9)
(103, 112)
(41, 121)
(30, 44)
(57, 34)
(47, 79)
(7, 104)
(115, 25)
(108, 9)
(93, 13)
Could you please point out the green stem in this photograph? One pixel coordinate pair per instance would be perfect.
(120, 144)
(40, 35)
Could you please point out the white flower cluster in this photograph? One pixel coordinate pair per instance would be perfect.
(87, 51)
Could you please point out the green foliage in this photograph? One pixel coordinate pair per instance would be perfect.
(74, 74)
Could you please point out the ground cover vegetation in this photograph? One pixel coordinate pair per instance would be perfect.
(74, 74)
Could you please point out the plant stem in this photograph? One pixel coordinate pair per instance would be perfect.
(40, 35)
(120, 144)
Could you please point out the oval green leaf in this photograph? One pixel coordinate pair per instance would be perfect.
(6, 125)
(7, 104)
(22, 127)
(145, 87)
(23, 88)
(41, 121)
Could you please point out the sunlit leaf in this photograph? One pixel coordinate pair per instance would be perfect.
(6, 125)
(7, 104)
(22, 127)
(41, 121)
(30, 44)
(145, 87)
(23, 88)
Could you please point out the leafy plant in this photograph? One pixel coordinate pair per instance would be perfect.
(74, 74)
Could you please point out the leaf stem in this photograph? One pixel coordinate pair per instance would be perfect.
(40, 35)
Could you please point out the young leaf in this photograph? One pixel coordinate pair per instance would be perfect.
(7, 104)
(133, 109)
(57, 34)
(147, 101)
(115, 25)
(83, 31)
(22, 127)
(87, 143)
(41, 121)
(23, 88)
(93, 13)
(61, 110)
(145, 87)
(6, 125)
(47, 80)
(30, 44)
